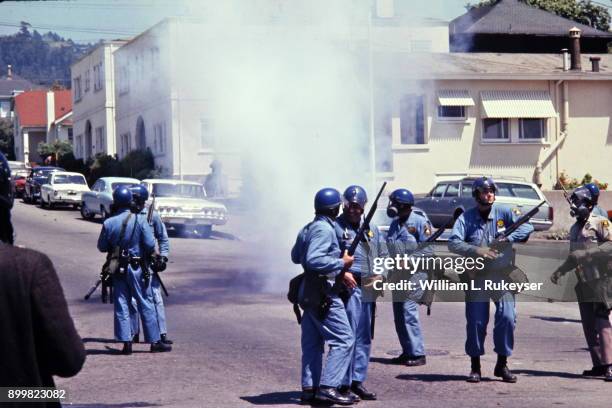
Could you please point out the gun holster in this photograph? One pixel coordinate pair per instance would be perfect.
(316, 295)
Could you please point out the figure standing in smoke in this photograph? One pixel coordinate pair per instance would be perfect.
(358, 310)
(215, 183)
(325, 319)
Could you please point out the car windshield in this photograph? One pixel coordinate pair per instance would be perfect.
(17, 166)
(69, 179)
(178, 190)
(517, 190)
(43, 173)
(119, 184)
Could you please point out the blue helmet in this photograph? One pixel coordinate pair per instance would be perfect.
(592, 187)
(355, 194)
(122, 197)
(402, 196)
(140, 194)
(327, 199)
(481, 184)
(6, 191)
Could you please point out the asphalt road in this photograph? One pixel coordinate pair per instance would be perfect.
(237, 343)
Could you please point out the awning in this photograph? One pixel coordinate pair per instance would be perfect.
(517, 104)
(455, 97)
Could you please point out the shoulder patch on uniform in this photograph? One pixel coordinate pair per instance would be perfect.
(427, 230)
(500, 223)
(370, 234)
(605, 223)
(516, 211)
(412, 230)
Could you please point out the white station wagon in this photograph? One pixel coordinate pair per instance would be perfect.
(183, 206)
(63, 188)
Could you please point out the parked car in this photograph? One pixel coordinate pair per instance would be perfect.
(18, 185)
(100, 198)
(18, 168)
(63, 188)
(452, 197)
(36, 177)
(183, 206)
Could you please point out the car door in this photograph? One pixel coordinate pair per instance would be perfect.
(434, 211)
(449, 202)
(91, 199)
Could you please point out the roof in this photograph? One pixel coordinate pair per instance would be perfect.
(63, 102)
(31, 107)
(513, 17)
(68, 173)
(119, 179)
(170, 181)
(486, 66)
(10, 86)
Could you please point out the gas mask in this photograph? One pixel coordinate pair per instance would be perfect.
(394, 209)
(580, 206)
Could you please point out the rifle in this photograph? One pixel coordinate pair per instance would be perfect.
(366, 222)
(501, 239)
(105, 281)
(155, 272)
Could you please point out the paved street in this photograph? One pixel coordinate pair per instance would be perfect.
(237, 342)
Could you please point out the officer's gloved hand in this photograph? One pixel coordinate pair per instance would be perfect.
(348, 260)
(487, 253)
(554, 278)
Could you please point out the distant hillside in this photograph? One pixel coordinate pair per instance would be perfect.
(42, 59)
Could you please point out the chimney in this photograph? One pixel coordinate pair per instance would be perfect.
(566, 59)
(574, 34)
(595, 63)
(9, 72)
(50, 110)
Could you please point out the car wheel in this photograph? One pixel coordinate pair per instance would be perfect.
(26, 198)
(75, 206)
(204, 231)
(50, 204)
(85, 213)
(42, 202)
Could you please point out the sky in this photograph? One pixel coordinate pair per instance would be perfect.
(91, 20)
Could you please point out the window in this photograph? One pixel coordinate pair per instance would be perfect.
(126, 143)
(452, 190)
(439, 190)
(87, 80)
(98, 186)
(77, 88)
(207, 137)
(98, 77)
(5, 109)
(466, 190)
(70, 137)
(412, 125)
(154, 58)
(451, 112)
(159, 138)
(532, 129)
(517, 190)
(124, 79)
(79, 146)
(495, 130)
(100, 139)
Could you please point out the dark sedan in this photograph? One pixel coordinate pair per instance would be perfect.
(37, 177)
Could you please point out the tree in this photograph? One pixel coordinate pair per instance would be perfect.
(6, 138)
(581, 11)
(56, 150)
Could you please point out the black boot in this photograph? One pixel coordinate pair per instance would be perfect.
(165, 339)
(127, 348)
(401, 359)
(474, 376)
(502, 370)
(346, 391)
(308, 395)
(160, 347)
(358, 388)
(596, 371)
(332, 395)
(136, 338)
(609, 374)
(416, 361)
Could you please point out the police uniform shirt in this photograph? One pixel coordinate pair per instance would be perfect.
(471, 231)
(369, 248)
(404, 237)
(589, 234)
(317, 249)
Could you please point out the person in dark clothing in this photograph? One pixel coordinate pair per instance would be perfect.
(38, 339)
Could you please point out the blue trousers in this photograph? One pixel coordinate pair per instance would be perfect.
(408, 328)
(160, 310)
(336, 331)
(477, 316)
(359, 315)
(128, 286)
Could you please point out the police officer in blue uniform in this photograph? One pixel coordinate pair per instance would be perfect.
(472, 234)
(359, 311)
(408, 228)
(325, 319)
(130, 281)
(140, 195)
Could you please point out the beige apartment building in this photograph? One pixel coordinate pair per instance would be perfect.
(93, 95)
(440, 116)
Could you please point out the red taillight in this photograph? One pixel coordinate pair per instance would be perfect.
(551, 213)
